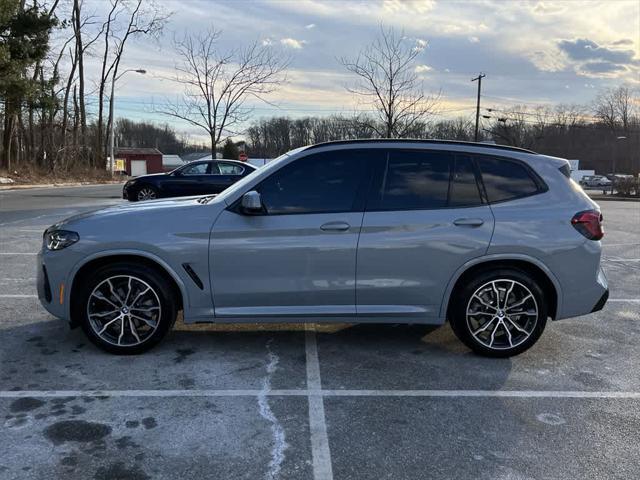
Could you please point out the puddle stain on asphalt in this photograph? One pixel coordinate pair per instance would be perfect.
(120, 471)
(279, 438)
(183, 353)
(76, 431)
(25, 404)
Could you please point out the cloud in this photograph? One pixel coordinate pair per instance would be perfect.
(267, 42)
(292, 43)
(548, 8)
(423, 68)
(602, 67)
(310, 26)
(474, 39)
(584, 49)
(623, 41)
(420, 44)
(594, 60)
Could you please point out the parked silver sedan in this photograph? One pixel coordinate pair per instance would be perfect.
(495, 240)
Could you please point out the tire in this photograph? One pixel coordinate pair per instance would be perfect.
(146, 192)
(142, 303)
(499, 332)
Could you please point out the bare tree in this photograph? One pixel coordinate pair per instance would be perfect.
(388, 81)
(142, 17)
(218, 85)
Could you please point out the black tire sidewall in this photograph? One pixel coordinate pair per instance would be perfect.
(458, 318)
(150, 276)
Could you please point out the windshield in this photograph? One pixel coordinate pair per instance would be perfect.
(272, 165)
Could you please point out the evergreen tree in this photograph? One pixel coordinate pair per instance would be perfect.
(24, 42)
(230, 150)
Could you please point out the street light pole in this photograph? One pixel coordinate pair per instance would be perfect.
(613, 161)
(479, 79)
(111, 127)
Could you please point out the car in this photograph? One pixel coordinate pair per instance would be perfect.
(194, 178)
(595, 181)
(495, 240)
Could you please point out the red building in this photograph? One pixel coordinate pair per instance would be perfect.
(140, 161)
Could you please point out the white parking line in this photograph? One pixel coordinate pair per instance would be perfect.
(18, 296)
(17, 253)
(577, 394)
(322, 469)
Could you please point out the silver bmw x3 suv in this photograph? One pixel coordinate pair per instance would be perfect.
(495, 240)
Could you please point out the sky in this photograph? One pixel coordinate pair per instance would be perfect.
(532, 52)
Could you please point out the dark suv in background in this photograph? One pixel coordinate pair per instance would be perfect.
(195, 178)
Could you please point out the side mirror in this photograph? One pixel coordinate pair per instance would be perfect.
(251, 202)
(177, 173)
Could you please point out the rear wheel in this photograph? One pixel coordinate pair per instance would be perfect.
(499, 313)
(146, 192)
(125, 308)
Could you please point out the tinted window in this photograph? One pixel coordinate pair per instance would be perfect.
(504, 179)
(464, 190)
(230, 169)
(324, 182)
(197, 169)
(413, 180)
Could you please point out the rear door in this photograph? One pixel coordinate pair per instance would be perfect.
(223, 175)
(425, 217)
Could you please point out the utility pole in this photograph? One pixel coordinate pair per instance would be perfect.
(479, 79)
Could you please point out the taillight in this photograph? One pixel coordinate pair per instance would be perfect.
(589, 224)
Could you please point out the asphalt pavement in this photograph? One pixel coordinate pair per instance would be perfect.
(367, 401)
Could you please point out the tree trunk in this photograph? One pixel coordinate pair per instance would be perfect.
(80, 61)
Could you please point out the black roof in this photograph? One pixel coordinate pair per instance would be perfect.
(428, 142)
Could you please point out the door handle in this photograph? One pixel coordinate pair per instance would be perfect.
(468, 222)
(335, 227)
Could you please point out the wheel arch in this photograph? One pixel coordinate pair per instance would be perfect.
(142, 258)
(530, 265)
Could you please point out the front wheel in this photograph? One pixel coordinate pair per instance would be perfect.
(146, 192)
(499, 313)
(124, 308)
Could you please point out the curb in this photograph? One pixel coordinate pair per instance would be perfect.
(613, 198)
(56, 185)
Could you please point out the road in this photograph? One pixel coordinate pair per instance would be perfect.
(384, 401)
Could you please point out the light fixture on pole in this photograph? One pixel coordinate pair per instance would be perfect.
(111, 116)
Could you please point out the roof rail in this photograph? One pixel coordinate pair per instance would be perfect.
(428, 142)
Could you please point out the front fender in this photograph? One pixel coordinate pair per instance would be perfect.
(117, 252)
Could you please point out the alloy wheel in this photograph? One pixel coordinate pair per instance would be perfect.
(146, 193)
(502, 314)
(124, 310)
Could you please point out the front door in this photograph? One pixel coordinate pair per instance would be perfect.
(187, 181)
(425, 218)
(298, 258)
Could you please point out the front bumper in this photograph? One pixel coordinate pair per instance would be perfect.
(51, 285)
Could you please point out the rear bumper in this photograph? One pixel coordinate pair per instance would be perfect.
(587, 300)
(603, 299)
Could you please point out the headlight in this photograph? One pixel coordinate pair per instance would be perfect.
(59, 239)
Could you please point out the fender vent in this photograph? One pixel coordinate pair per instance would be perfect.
(194, 276)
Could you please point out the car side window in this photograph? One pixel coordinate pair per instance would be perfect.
(230, 169)
(197, 169)
(412, 180)
(464, 190)
(318, 183)
(506, 179)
